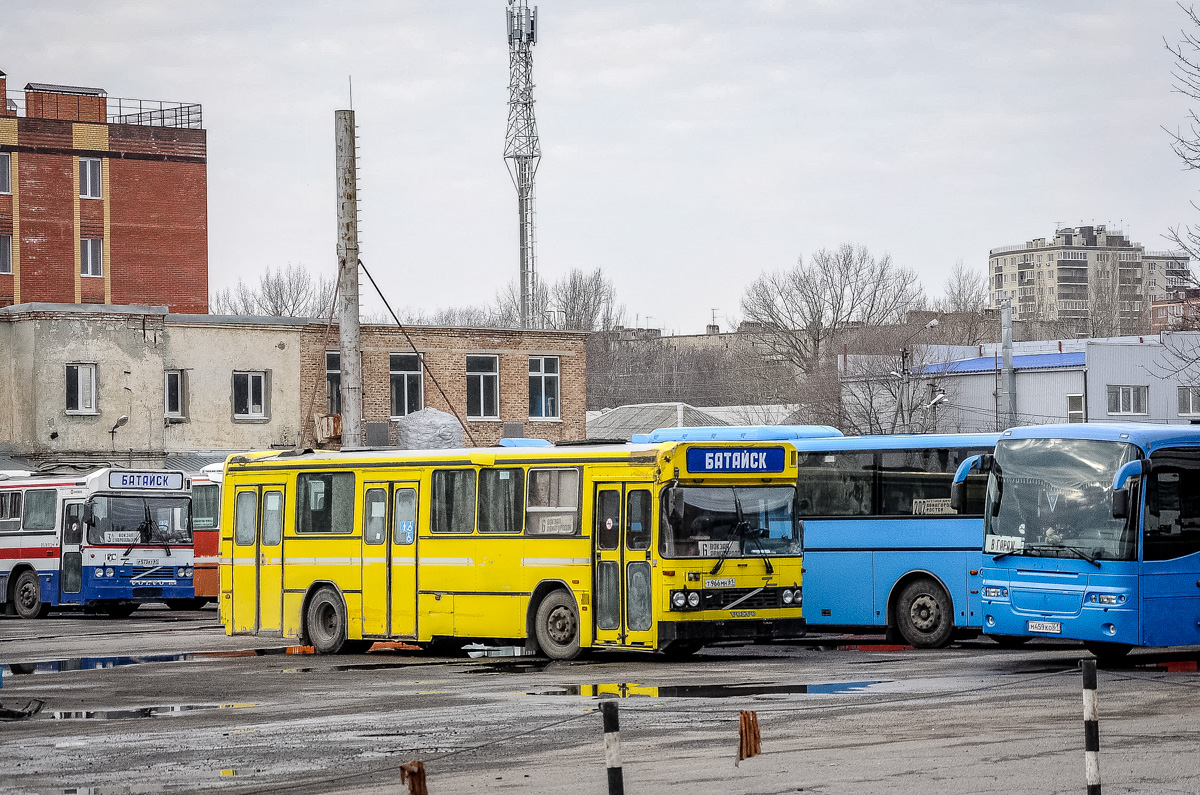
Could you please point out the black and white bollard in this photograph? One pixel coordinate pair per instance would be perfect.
(612, 747)
(1091, 728)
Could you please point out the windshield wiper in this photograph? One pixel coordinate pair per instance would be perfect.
(738, 529)
(149, 524)
(1077, 552)
(752, 534)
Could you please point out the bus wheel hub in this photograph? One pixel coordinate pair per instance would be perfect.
(561, 624)
(925, 613)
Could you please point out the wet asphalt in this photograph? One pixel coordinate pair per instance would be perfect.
(166, 702)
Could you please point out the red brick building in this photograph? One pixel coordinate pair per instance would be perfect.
(102, 200)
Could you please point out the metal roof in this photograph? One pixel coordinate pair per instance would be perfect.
(1148, 436)
(625, 421)
(1028, 361)
(739, 433)
(52, 88)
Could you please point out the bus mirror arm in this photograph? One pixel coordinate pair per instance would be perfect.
(983, 462)
(1120, 497)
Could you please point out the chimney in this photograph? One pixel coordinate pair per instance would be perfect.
(5, 108)
(712, 328)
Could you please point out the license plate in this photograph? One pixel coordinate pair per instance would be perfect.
(1045, 627)
(723, 582)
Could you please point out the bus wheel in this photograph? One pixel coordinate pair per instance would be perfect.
(325, 622)
(27, 596)
(681, 649)
(187, 604)
(120, 609)
(557, 626)
(924, 615)
(1010, 641)
(1107, 651)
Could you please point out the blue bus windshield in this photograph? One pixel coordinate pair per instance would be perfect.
(1055, 500)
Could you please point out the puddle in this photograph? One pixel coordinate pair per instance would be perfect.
(141, 712)
(98, 663)
(513, 667)
(629, 689)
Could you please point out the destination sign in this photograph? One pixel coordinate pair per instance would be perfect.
(736, 459)
(159, 481)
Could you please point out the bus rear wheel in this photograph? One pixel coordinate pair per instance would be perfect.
(325, 622)
(557, 626)
(27, 596)
(924, 614)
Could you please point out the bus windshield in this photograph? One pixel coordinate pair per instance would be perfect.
(140, 520)
(711, 521)
(1055, 500)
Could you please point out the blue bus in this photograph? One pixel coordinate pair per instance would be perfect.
(1092, 532)
(883, 549)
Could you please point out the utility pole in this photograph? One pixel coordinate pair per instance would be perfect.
(522, 150)
(1009, 404)
(347, 252)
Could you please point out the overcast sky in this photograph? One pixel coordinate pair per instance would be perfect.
(687, 146)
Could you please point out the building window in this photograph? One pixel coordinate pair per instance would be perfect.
(483, 387)
(1189, 400)
(249, 395)
(91, 255)
(89, 178)
(333, 381)
(1075, 411)
(173, 394)
(5, 253)
(5, 172)
(543, 387)
(406, 383)
(81, 389)
(1127, 399)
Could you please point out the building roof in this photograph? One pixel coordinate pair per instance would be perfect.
(194, 462)
(52, 88)
(987, 364)
(625, 421)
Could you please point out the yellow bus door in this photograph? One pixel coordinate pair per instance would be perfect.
(404, 560)
(624, 607)
(270, 560)
(245, 560)
(375, 549)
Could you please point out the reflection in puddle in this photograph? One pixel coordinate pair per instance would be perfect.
(628, 689)
(96, 663)
(141, 712)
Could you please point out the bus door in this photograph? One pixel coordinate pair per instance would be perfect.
(624, 604)
(375, 560)
(70, 581)
(404, 559)
(258, 559)
(1170, 551)
(389, 563)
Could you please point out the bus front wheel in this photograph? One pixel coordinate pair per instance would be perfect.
(557, 626)
(120, 609)
(924, 614)
(325, 622)
(1105, 650)
(27, 596)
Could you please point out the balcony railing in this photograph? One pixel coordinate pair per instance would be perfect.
(142, 112)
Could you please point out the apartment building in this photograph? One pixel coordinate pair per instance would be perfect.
(102, 200)
(1082, 273)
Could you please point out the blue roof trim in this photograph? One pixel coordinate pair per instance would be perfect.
(1148, 436)
(1027, 361)
(909, 441)
(518, 442)
(737, 433)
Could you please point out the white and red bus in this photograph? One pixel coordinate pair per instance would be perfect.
(110, 540)
(206, 531)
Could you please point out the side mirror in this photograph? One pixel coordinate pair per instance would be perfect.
(957, 496)
(1120, 503)
(89, 515)
(676, 505)
(986, 461)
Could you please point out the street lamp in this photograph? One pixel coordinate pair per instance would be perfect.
(124, 418)
(905, 376)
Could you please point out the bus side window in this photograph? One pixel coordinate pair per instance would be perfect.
(452, 508)
(206, 506)
(404, 516)
(500, 494)
(375, 517)
(243, 521)
(10, 510)
(637, 518)
(608, 519)
(836, 484)
(915, 482)
(552, 507)
(40, 507)
(1172, 526)
(325, 502)
(272, 523)
(73, 524)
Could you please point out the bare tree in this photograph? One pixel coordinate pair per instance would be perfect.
(965, 317)
(292, 291)
(586, 301)
(1185, 79)
(802, 310)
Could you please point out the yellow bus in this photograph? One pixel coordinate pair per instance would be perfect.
(655, 547)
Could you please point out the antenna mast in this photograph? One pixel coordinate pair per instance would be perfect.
(522, 151)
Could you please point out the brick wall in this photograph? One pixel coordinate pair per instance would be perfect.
(445, 352)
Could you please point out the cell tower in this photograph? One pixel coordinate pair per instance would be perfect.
(522, 152)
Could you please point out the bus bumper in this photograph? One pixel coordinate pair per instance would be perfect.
(735, 630)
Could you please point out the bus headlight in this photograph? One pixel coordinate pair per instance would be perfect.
(693, 599)
(184, 572)
(788, 596)
(678, 600)
(109, 572)
(189, 571)
(1105, 598)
